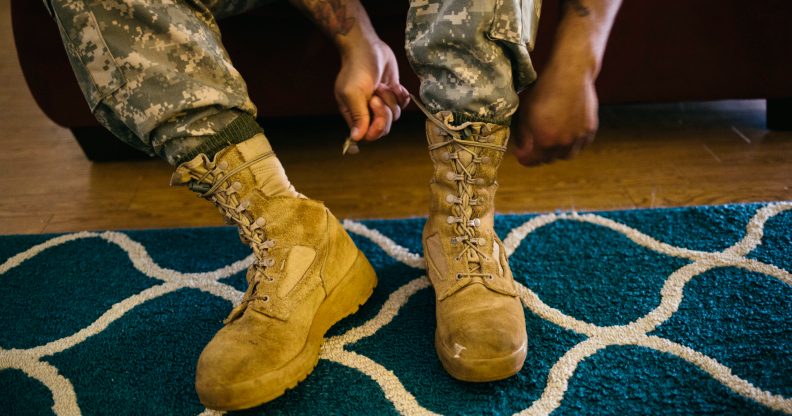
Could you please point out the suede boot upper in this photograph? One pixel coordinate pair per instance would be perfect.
(480, 320)
(301, 255)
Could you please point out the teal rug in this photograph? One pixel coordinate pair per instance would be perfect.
(650, 312)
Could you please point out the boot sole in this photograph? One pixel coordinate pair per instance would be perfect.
(352, 291)
(480, 370)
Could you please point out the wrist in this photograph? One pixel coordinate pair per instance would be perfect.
(576, 52)
(343, 21)
(360, 36)
(574, 65)
(352, 44)
(356, 46)
(583, 34)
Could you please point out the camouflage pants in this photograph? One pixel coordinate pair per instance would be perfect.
(472, 55)
(156, 74)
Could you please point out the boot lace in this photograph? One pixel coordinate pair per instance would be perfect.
(218, 186)
(463, 202)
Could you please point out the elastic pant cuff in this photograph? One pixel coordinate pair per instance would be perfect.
(461, 118)
(242, 128)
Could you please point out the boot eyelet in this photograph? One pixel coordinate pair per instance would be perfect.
(459, 276)
(490, 277)
(265, 298)
(242, 206)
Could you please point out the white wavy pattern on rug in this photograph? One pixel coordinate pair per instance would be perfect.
(599, 337)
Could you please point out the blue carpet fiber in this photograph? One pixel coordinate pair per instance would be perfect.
(650, 312)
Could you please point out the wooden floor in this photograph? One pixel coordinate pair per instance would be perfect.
(644, 156)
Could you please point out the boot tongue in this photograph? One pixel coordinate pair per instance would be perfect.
(465, 157)
(250, 150)
(197, 167)
(465, 160)
(268, 173)
(190, 170)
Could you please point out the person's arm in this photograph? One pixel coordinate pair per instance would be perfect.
(558, 115)
(367, 87)
(344, 21)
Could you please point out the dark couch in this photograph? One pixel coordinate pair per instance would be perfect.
(660, 50)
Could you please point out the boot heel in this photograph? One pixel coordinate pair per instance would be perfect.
(351, 292)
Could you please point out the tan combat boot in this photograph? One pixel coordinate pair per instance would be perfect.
(480, 321)
(308, 275)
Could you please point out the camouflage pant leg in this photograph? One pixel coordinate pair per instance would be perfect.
(156, 74)
(472, 55)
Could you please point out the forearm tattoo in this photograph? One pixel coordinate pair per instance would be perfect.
(578, 7)
(331, 15)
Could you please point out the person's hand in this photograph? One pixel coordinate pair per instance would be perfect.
(557, 118)
(367, 90)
